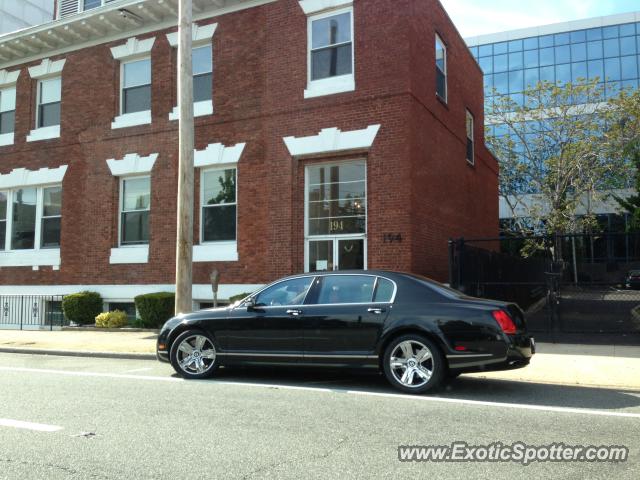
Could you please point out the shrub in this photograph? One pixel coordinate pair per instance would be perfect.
(155, 308)
(115, 319)
(82, 308)
(240, 296)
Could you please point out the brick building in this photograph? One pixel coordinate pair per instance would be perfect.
(329, 134)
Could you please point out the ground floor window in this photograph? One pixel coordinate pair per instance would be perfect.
(336, 216)
(126, 307)
(219, 205)
(30, 218)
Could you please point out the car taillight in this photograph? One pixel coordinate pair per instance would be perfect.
(505, 322)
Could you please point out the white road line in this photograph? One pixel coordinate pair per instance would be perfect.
(137, 370)
(398, 396)
(39, 427)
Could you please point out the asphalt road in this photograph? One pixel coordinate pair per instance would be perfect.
(131, 419)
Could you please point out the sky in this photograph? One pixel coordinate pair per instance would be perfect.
(477, 17)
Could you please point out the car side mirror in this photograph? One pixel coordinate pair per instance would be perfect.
(250, 303)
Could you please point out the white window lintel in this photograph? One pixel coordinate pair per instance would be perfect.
(199, 34)
(331, 140)
(218, 154)
(47, 68)
(8, 79)
(133, 48)
(131, 164)
(311, 7)
(21, 177)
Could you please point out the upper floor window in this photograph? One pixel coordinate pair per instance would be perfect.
(202, 73)
(136, 86)
(49, 94)
(135, 204)
(470, 142)
(7, 110)
(441, 69)
(331, 57)
(30, 218)
(219, 205)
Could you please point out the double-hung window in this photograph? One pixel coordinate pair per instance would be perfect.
(7, 111)
(49, 95)
(202, 62)
(218, 205)
(3, 220)
(136, 86)
(30, 218)
(135, 203)
(441, 69)
(470, 142)
(331, 55)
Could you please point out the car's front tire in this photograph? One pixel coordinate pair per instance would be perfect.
(193, 355)
(414, 364)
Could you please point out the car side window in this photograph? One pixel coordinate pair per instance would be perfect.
(384, 291)
(288, 292)
(346, 289)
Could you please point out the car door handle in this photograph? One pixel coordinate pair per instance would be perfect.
(294, 312)
(377, 311)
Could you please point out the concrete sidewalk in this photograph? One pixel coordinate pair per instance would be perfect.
(562, 364)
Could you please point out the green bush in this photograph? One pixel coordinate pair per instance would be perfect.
(115, 319)
(240, 296)
(155, 308)
(82, 308)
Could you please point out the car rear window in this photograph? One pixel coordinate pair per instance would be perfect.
(346, 289)
(384, 291)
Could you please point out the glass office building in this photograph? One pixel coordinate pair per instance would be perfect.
(605, 47)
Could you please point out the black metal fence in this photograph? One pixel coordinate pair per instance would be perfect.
(31, 311)
(572, 284)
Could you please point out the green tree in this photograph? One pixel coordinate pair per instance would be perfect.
(555, 155)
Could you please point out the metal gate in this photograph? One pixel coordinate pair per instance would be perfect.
(567, 285)
(31, 311)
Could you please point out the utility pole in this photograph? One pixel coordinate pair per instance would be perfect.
(184, 245)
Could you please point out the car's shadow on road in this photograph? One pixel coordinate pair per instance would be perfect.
(464, 387)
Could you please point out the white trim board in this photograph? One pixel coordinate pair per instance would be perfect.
(199, 34)
(133, 47)
(200, 292)
(132, 164)
(21, 177)
(9, 79)
(47, 68)
(311, 7)
(331, 140)
(563, 27)
(218, 154)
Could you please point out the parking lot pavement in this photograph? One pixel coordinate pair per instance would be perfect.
(112, 418)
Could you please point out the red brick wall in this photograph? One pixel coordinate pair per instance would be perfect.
(419, 184)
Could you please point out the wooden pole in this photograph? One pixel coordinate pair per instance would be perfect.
(184, 245)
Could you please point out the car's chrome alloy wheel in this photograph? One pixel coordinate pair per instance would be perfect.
(411, 364)
(196, 354)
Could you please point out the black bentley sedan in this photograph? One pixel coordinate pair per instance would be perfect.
(415, 330)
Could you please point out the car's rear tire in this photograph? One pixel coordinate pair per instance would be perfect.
(414, 364)
(194, 355)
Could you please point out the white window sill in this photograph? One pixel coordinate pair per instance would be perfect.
(6, 139)
(44, 133)
(133, 254)
(330, 86)
(216, 252)
(31, 258)
(131, 119)
(200, 109)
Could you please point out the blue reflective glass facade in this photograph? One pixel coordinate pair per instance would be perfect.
(610, 53)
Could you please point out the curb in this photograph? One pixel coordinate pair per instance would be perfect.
(121, 330)
(72, 353)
